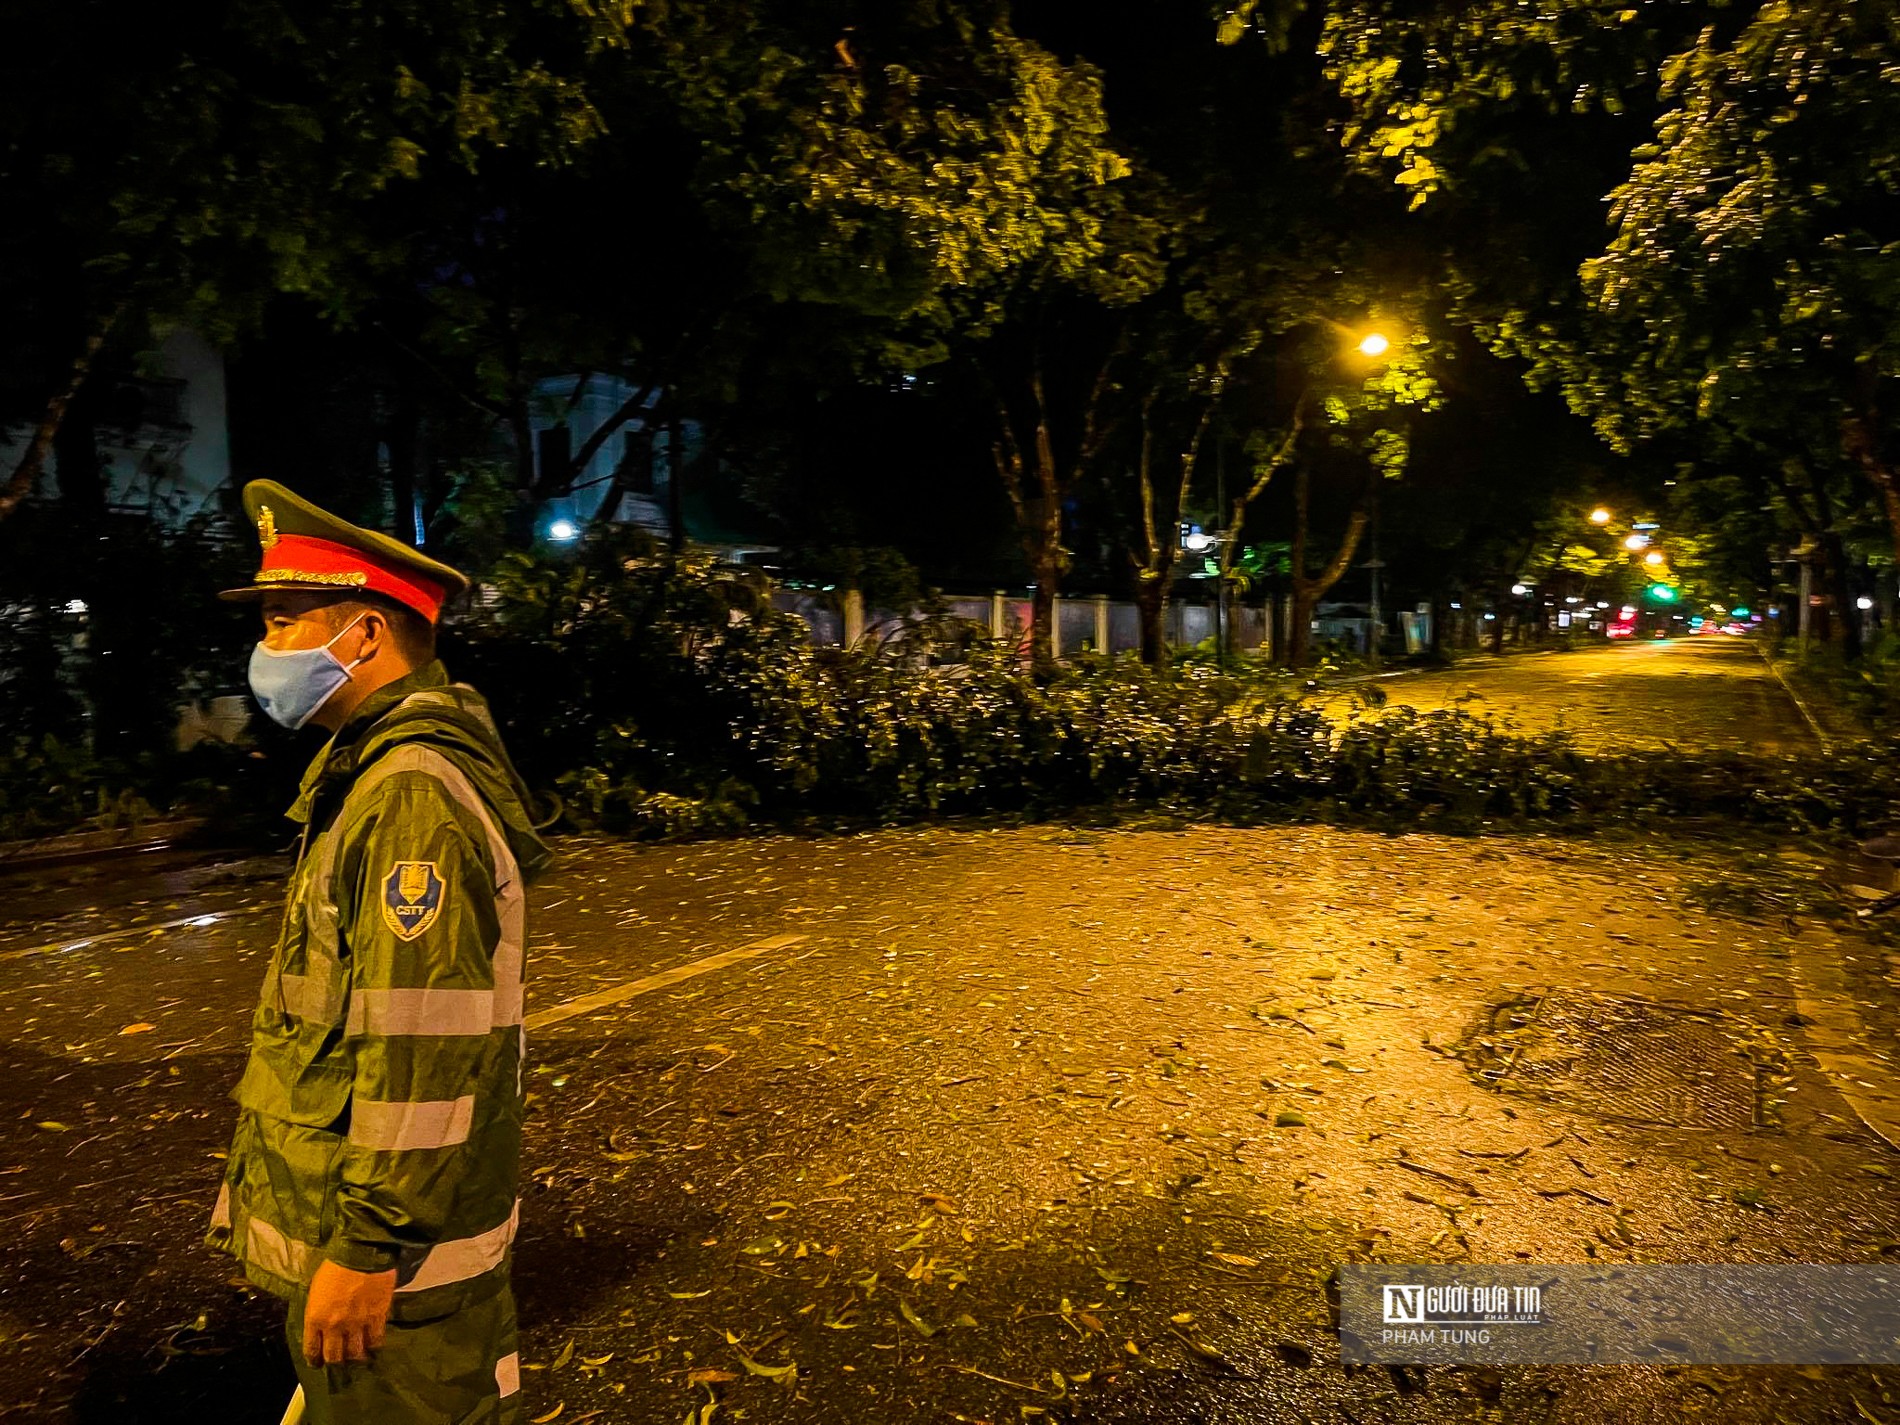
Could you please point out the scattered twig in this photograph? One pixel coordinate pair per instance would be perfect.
(1012, 1384)
(743, 1166)
(1461, 1184)
(1584, 1193)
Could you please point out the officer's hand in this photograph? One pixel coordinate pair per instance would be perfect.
(344, 1314)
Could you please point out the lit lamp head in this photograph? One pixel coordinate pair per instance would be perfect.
(1653, 557)
(1599, 516)
(1374, 344)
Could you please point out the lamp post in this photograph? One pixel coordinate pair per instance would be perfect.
(1375, 613)
(1374, 344)
(1220, 554)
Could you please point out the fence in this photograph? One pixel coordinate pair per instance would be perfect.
(1085, 623)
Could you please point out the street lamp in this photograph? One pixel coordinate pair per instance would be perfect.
(1599, 515)
(563, 531)
(1653, 557)
(1636, 542)
(1374, 344)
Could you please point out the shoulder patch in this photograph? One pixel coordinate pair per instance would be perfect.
(412, 897)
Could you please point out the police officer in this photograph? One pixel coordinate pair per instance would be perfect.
(372, 1178)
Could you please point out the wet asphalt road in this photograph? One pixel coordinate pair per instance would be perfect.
(1011, 1123)
(1710, 693)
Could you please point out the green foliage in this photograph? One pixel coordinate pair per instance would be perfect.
(48, 785)
(1679, 215)
(189, 163)
(883, 575)
(666, 698)
(1861, 695)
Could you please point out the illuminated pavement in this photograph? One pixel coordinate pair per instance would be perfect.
(1025, 1120)
(1714, 693)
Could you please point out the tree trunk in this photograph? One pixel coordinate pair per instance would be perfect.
(1299, 634)
(1151, 603)
(81, 474)
(402, 432)
(559, 482)
(26, 475)
(1300, 626)
(117, 626)
(1042, 547)
(1841, 594)
(617, 487)
(1036, 484)
(1307, 592)
(676, 484)
(521, 427)
(1155, 569)
(1861, 436)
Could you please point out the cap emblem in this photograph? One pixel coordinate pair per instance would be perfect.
(266, 528)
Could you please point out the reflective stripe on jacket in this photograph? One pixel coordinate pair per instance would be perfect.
(380, 1111)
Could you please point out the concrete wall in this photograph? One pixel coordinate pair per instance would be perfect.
(1078, 620)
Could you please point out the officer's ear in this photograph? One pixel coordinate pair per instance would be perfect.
(373, 624)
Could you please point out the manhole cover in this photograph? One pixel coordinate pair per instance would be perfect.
(1623, 1058)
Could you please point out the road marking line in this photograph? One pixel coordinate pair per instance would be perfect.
(1813, 725)
(615, 994)
(1840, 1039)
(85, 942)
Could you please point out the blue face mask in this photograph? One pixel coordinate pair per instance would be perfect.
(292, 684)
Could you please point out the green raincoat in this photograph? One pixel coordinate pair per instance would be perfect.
(380, 1112)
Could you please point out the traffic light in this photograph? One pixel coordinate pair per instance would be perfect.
(1662, 593)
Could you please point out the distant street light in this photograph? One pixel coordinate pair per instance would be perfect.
(564, 531)
(1653, 557)
(1374, 344)
(1636, 541)
(1863, 603)
(1599, 515)
(1520, 589)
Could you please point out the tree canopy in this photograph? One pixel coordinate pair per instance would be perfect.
(1733, 301)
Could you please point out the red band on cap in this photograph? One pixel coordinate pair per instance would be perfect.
(300, 559)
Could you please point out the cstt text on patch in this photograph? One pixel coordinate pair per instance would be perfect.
(412, 897)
